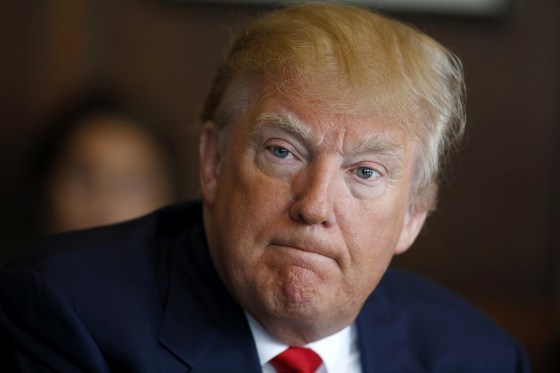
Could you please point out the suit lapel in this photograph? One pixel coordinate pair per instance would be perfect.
(203, 327)
(383, 337)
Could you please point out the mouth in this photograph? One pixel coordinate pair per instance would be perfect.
(314, 253)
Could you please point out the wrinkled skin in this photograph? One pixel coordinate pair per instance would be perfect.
(304, 210)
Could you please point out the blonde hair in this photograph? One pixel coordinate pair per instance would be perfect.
(357, 62)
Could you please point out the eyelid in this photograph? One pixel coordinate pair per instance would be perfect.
(272, 147)
(270, 143)
(288, 143)
(377, 168)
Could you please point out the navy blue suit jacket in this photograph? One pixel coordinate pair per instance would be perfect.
(143, 296)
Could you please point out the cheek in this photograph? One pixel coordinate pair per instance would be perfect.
(245, 188)
(371, 235)
(248, 204)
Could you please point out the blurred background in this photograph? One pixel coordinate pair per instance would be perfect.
(495, 238)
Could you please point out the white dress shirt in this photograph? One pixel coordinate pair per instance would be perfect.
(339, 351)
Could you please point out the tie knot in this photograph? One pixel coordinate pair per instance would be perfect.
(296, 360)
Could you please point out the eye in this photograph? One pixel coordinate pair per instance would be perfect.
(279, 151)
(366, 173)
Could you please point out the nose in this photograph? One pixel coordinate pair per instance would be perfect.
(314, 196)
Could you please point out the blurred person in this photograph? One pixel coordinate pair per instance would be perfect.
(109, 171)
(321, 144)
(98, 164)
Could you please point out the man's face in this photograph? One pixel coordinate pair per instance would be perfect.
(304, 209)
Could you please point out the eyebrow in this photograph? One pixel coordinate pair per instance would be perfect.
(284, 120)
(376, 144)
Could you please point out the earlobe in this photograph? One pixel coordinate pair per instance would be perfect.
(413, 223)
(209, 161)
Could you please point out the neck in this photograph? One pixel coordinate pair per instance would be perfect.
(298, 333)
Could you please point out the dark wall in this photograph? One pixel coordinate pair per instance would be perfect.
(495, 236)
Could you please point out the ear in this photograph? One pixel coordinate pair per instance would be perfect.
(209, 161)
(413, 222)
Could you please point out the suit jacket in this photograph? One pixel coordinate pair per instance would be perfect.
(143, 296)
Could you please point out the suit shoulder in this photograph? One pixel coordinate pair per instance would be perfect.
(427, 302)
(442, 330)
(109, 244)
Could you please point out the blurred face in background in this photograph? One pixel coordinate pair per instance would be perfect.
(109, 171)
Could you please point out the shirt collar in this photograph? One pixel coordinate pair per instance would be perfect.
(335, 350)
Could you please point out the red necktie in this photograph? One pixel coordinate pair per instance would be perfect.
(296, 360)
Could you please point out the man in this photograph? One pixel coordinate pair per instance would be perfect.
(321, 142)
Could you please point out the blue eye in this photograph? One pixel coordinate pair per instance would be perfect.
(365, 172)
(279, 151)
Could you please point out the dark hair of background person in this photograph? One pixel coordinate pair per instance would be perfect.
(29, 208)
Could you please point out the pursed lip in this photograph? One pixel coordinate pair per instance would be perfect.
(300, 245)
